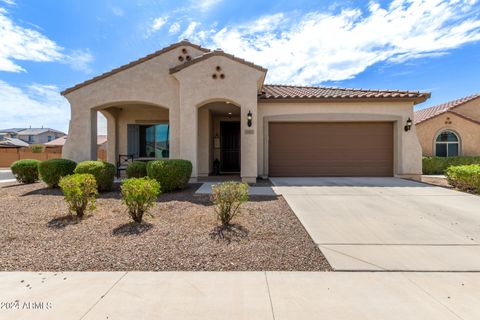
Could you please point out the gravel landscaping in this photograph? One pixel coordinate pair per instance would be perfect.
(36, 234)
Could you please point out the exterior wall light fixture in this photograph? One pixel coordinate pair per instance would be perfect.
(408, 125)
(249, 118)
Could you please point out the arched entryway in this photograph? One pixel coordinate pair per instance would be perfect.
(219, 139)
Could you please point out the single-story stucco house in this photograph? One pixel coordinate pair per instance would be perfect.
(188, 102)
(451, 128)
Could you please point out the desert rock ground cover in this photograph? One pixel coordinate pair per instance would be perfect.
(36, 234)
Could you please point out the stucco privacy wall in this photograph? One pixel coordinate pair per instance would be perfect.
(407, 157)
(149, 82)
(468, 131)
(197, 88)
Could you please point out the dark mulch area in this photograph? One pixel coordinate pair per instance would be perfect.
(37, 234)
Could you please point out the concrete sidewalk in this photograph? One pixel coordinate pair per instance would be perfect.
(240, 295)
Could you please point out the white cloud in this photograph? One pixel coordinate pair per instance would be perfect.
(189, 32)
(174, 28)
(158, 23)
(322, 46)
(9, 2)
(25, 44)
(79, 60)
(36, 105)
(205, 5)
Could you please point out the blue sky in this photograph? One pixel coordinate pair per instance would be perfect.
(48, 45)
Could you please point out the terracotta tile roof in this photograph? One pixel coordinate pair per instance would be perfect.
(134, 63)
(284, 92)
(101, 139)
(428, 113)
(217, 52)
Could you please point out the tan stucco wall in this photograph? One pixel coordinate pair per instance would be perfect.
(407, 157)
(468, 131)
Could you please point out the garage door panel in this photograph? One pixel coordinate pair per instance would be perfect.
(331, 149)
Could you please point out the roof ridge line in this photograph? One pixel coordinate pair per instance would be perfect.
(341, 88)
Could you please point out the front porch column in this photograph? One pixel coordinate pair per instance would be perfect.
(112, 134)
(81, 142)
(248, 142)
(188, 136)
(174, 133)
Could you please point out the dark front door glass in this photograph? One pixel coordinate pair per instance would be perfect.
(230, 146)
(153, 141)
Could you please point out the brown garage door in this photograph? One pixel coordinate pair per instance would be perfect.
(330, 149)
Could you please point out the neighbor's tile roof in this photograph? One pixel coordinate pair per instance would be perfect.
(428, 113)
(35, 131)
(101, 139)
(273, 91)
(12, 142)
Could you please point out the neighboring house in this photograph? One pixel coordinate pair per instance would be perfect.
(58, 144)
(39, 135)
(12, 143)
(188, 102)
(32, 135)
(9, 133)
(451, 128)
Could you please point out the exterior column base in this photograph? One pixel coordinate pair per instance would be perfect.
(410, 176)
(193, 180)
(249, 179)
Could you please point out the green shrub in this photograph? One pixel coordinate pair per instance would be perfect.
(227, 198)
(103, 172)
(25, 171)
(139, 195)
(37, 148)
(52, 170)
(465, 177)
(80, 191)
(173, 174)
(438, 165)
(137, 169)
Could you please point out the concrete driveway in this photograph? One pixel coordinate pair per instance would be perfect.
(387, 223)
(6, 175)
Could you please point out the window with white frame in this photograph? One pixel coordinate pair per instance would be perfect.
(447, 144)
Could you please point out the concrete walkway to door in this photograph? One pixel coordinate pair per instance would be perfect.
(387, 223)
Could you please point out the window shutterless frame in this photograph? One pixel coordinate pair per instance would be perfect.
(447, 144)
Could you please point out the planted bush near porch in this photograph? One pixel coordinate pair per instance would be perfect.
(139, 195)
(137, 169)
(172, 174)
(52, 170)
(25, 171)
(80, 191)
(465, 177)
(103, 172)
(227, 198)
(438, 165)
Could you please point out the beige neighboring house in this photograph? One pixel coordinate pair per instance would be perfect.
(188, 102)
(31, 135)
(451, 128)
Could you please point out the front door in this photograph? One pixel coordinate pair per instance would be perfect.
(230, 146)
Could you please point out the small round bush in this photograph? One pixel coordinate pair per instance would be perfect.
(52, 170)
(103, 172)
(80, 191)
(137, 169)
(139, 195)
(25, 171)
(173, 174)
(227, 198)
